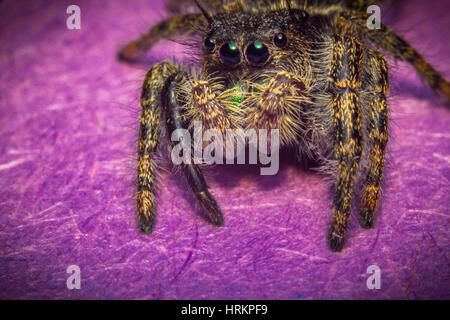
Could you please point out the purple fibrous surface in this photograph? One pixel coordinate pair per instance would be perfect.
(68, 128)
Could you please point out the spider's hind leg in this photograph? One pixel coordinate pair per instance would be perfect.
(172, 27)
(178, 6)
(388, 40)
(360, 4)
(404, 51)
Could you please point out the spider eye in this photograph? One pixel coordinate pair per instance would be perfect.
(209, 44)
(303, 14)
(280, 40)
(257, 52)
(230, 54)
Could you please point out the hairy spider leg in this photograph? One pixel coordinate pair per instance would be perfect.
(378, 137)
(345, 82)
(149, 135)
(212, 110)
(192, 172)
(387, 39)
(360, 4)
(404, 51)
(276, 106)
(172, 27)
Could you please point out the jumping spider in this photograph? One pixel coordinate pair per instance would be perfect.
(314, 71)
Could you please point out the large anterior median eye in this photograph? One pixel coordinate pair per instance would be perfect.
(257, 52)
(230, 54)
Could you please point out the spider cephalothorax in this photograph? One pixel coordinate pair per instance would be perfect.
(240, 44)
(313, 71)
(267, 56)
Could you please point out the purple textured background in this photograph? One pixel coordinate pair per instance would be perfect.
(67, 141)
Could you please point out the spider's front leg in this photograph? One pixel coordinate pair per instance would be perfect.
(344, 83)
(205, 106)
(159, 101)
(149, 134)
(377, 136)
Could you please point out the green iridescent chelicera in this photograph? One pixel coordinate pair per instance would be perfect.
(240, 89)
(237, 100)
(237, 94)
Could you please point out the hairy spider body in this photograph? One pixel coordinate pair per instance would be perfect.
(315, 72)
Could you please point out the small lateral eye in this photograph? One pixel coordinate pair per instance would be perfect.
(299, 16)
(280, 40)
(209, 44)
(303, 14)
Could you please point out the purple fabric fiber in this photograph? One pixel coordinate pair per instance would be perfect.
(68, 129)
